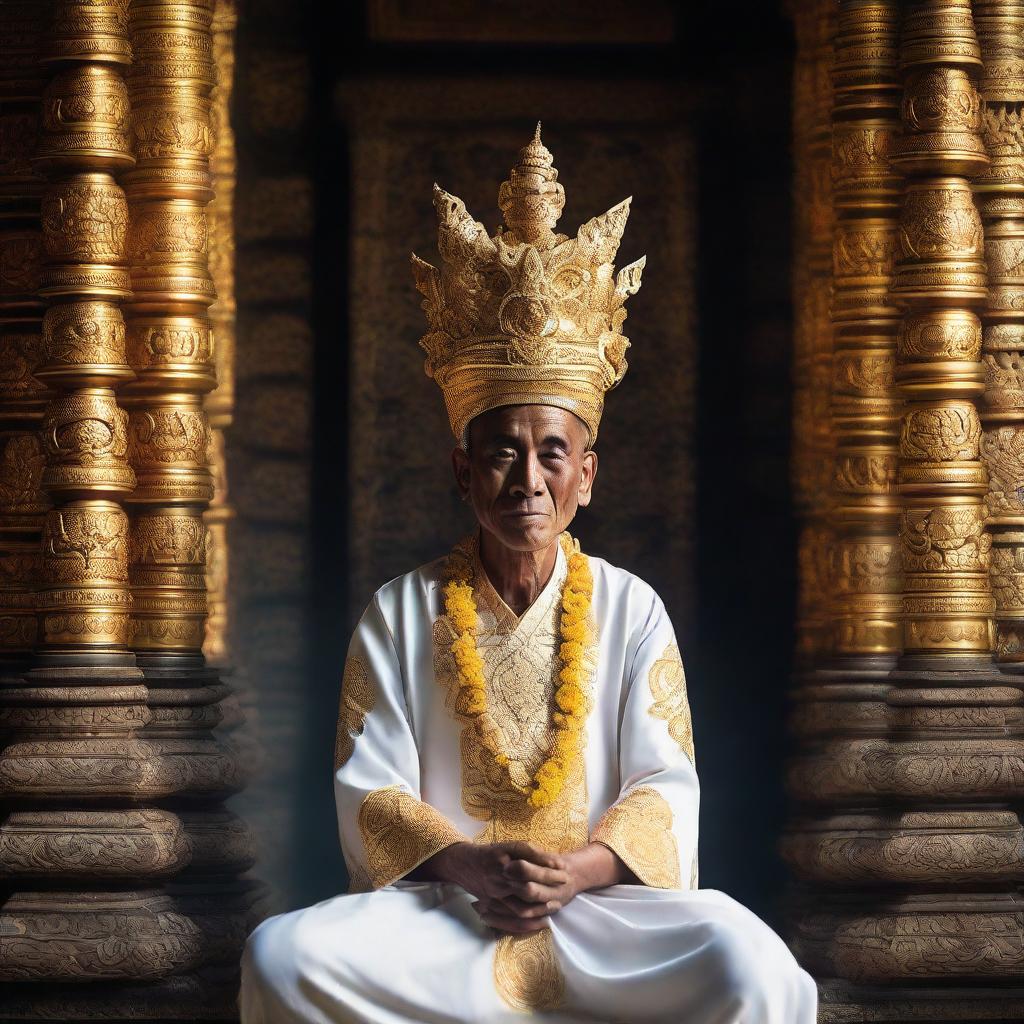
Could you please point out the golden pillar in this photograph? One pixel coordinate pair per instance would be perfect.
(220, 402)
(121, 861)
(926, 854)
(71, 759)
(812, 229)
(999, 190)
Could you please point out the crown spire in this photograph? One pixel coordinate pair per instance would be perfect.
(531, 200)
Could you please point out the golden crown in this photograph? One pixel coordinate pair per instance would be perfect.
(529, 316)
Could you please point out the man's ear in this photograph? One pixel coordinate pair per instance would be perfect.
(461, 469)
(588, 473)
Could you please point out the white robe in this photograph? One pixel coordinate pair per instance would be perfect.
(412, 778)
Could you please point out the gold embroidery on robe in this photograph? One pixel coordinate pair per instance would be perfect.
(639, 829)
(520, 670)
(527, 974)
(668, 687)
(358, 879)
(357, 700)
(400, 832)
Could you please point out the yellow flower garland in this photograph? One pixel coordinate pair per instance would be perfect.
(571, 699)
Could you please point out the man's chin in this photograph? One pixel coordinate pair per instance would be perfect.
(526, 536)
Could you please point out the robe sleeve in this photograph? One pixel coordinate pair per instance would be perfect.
(386, 829)
(652, 825)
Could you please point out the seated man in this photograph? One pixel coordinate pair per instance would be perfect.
(515, 782)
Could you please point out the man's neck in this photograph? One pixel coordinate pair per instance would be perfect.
(518, 577)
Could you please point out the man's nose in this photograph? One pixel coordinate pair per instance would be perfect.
(528, 482)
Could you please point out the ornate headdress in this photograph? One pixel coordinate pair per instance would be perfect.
(528, 316)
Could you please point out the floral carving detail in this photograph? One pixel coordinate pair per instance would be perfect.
(948, 433)
(860, 152)
(84, 332)
(86, 429)
(947, 537)
(864, 375)
(357, 701)
(1002, 130)
(85, 221)
(939, 337)
(865, 474)
(167, 436)
(85, 537)
(1003, 452)
(867, 567)
(940, 222)
(21, 471)
(168, 540)
(941, 99)
(20, 355)
(1007, 577)
(1004, 379)
(160, 131)
(864, 250)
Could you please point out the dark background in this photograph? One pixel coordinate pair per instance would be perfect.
(290, 447)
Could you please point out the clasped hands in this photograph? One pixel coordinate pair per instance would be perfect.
(518, 886)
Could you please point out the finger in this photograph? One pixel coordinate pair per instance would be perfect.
(481, 906)
(533, 892)
(514, 925)
(526, 851)
(524, 871)
(521, 908)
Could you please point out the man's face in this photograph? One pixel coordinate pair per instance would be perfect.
(527, 470)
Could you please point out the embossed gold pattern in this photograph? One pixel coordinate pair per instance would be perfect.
(169, 333)
(639, 829)
(667, 681)
(220, 402)
(812, 441)
(399, 832)
(941, 279)
(1000, 194)
(520, 665)
(527, 974)
(357, 700)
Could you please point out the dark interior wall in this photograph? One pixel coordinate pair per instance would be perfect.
(289, 449)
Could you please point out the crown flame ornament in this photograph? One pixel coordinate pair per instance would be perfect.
(529, 316)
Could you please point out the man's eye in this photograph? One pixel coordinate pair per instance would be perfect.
(504, 453)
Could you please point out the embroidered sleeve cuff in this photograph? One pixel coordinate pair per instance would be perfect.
(400, 832)
(639, 829)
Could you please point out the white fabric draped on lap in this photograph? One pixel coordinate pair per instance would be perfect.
(413, 776)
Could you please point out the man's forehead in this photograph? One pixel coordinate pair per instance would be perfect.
(526, 420)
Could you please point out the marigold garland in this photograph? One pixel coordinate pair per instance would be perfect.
(571, 696)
